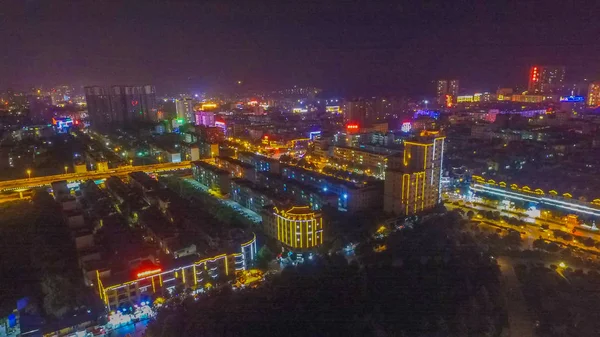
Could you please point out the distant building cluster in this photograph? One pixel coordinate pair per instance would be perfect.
(121, 105)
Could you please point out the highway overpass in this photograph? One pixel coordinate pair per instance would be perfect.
(34, 182)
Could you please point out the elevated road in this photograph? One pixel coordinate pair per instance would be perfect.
(34, 182)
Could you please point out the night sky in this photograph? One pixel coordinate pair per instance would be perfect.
(347, 47)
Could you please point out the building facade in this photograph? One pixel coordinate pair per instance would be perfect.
(298, 228)
(212, 177)
(121, 105)
(413, 180)
(546, 79)
(185, 109)
(119, 291)
(355, 111)
(446, 87)
(593, 97)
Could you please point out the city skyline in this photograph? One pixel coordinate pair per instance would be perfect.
(347, 48)
(346, 168)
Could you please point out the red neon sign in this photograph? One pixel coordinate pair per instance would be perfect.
(149, 272)
(352, 126)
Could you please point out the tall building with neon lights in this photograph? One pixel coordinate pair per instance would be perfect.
(545, 79)
(413, 178)
(443, 88)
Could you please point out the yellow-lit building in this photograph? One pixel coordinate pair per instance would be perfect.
(333, 109)
(140, 285)
(413, 179)
(593, 98)
(375, 162)
(298, 228)
(528, 98)
(464, 99)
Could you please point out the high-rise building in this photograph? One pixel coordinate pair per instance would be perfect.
(98, 105)
(593, 97)
(413, 179)
(453, 88)
(441, 89)
(355, 111)
(546, 79)
(444, 88)
(121, 105)
(205, 118)
(39, 108)
(185, 109)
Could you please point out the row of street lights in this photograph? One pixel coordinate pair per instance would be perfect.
(29, 171)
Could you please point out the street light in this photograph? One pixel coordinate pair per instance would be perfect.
(66, 169)
(159, 159)
(130, 162)
(29, 173)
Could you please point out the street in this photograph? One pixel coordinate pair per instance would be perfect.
(136, 330)
(520, 320)
(534, 230)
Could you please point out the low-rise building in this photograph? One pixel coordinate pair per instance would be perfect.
(260, 162)
(352, 196)
(236, 168)
(212, 176)
(298, 228)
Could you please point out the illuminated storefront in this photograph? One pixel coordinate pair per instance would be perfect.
(198, 275)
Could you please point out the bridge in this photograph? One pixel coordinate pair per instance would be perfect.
(34, 182)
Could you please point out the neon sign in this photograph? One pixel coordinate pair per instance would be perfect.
(572, 98)
(149, 272)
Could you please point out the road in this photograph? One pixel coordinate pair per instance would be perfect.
(520, 320)
(247, 213)
(534, 231)
(26, 183)
(135, 331)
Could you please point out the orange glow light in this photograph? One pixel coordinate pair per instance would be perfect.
(149, 272)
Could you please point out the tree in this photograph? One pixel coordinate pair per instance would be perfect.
(333, 298)
(264, 257)
(57, 297)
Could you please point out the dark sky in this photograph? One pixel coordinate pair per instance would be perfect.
(350, 47)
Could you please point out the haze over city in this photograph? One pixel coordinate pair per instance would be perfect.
(347, 47)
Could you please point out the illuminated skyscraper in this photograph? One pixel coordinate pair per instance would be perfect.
(453, 88)
(185, 109)
(546, 79)
(445, 87)
(413, 179)
(593, 97)
(441, 90)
